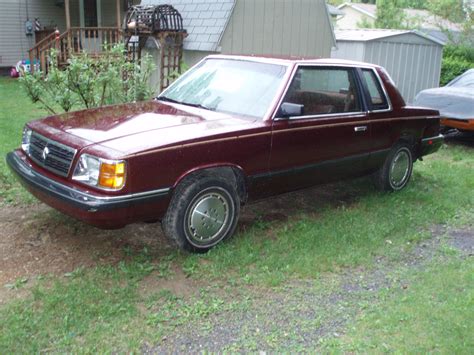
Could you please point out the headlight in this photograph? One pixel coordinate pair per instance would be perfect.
(102, 173)
(25, 140)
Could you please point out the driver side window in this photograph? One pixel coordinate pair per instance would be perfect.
(324, 90)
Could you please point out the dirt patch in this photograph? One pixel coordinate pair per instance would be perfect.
(37, 240)
(463, 240)
(178, 283)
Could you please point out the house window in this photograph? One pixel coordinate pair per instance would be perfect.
(324, 90)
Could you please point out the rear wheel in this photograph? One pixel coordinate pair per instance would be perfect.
(396, 171)
(203, 211)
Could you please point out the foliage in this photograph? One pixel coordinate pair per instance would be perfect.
(414, 4)
(462, 52)
(365, 23)
(88, 81)
(336, 2)
(457, 12)
(448, 9)
(175, 74)
(456, 60)
(390, 14)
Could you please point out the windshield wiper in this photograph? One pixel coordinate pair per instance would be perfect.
(167, 99)
(198, 106)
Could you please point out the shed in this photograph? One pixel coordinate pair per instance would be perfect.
(412, 58)
(253, 27)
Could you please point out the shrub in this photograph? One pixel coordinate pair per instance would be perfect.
(456, 60)
(88, 82)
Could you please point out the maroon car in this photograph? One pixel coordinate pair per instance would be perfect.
(228, 130)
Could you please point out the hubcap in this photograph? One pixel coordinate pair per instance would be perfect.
(400, 169)
(208, 216)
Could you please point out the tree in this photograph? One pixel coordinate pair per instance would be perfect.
(415, 4)
(456, 11)
(389, 14)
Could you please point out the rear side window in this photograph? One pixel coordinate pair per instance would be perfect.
(377, 98)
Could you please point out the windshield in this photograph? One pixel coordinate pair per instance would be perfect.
(465, 80)
(232, 86)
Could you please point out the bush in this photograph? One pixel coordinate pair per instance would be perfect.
(456, 60)
(88, 82)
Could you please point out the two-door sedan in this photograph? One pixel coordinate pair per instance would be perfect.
(230, 129)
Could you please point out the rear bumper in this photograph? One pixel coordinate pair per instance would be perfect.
(100, 210)
(431, 144)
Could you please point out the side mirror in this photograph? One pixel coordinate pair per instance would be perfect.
(287, 109)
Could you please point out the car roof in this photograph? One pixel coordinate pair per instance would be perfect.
(288, 60)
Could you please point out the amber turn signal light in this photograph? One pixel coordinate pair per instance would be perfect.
(112, 175)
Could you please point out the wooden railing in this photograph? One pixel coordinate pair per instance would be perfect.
(90, 40)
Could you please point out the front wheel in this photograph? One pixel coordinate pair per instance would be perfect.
(203, 211)
(396, 171)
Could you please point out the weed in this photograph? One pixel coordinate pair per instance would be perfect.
(19, 283)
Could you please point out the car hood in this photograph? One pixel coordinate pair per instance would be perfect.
(132, 128)
(455, 102)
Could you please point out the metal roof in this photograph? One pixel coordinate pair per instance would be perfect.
(365, 35)
(334, 11)
(204, 20)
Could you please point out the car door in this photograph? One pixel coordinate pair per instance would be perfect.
(330, 139)
(380, 114)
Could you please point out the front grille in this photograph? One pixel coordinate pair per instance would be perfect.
(51, 155)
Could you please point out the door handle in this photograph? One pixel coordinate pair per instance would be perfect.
(360, 128)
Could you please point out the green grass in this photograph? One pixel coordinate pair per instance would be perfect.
(442, 189)
(102, 309)
(435, 314)
(15, 110)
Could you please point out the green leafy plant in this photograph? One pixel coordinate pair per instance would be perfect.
(456, 60)
(390, 14)
(88, 81)
(175, 74)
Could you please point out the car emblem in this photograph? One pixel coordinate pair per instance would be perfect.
(45, 153)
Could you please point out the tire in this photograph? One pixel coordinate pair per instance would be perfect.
(203, 211)
(396, 170)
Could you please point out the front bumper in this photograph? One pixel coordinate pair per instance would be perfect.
(431, 144)
(97, 209)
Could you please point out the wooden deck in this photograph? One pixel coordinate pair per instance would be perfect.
(76, 40)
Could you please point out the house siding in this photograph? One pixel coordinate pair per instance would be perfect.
(352, 18)
(14, 43)
(109, 13)
(279, 27)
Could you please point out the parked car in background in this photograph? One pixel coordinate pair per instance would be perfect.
(455, 102)
(230, 129)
